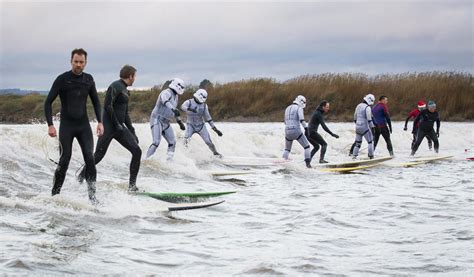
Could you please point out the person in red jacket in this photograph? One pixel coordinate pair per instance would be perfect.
(413, 114)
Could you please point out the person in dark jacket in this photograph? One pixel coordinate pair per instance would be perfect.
(118, 125)
(383, 124)
(413, 114)
(73, 88)
(426, 119)
(317, 118)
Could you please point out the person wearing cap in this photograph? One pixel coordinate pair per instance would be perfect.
(426, 120)
(413, 114)
(198, 114)
(383, 124)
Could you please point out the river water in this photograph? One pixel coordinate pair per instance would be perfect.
(284, 219)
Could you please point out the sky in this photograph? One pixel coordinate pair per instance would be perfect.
(229, 41)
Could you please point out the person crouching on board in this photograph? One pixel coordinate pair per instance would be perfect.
(427, 118)
(383, 124)
(413, 114)
(118, 125)
(198, 114)
(364, 125)
(294, 116)
(161, 116)
(317, 118)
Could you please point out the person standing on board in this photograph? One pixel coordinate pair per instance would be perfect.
(383, 124)
(118, 125)
(198, 114)
(317, 118)
(294, 116)
(161, 116)
(426, 120)
(364, 125)
(73, 88)
(413, 114)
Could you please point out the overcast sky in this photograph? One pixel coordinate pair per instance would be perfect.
(232, 41)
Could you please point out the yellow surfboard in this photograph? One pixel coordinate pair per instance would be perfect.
(348, 169)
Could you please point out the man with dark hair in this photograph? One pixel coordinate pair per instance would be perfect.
(383, 124)
(317, 118)
(73, 88)
(115, 117)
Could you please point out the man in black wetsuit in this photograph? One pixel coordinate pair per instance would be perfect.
(73, 88)
(425, 121)
(115, 116)
(317, 118)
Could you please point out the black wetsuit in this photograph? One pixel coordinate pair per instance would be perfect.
(317, 118)
(73, 91)
(427, 120)
(115, 116)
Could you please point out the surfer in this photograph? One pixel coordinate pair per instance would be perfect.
(426, 120)
(364, 125)
(73, 88)
(294, 116)
(383, 124)
(117, 124)
(162, 114)
(413, 114)
(197, 112)
(317, 118)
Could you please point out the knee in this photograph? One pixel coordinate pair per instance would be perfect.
(137, 152)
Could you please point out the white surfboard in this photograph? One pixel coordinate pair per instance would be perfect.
(355, 163)
(429, 159)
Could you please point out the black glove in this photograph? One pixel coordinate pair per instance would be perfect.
(437, 133)
(373, 130)
(176, 112)
(405, 128)
(334, 135)
(181, 125)
(219, 133)
(390, 130)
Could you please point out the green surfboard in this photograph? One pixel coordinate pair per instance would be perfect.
(178, 197)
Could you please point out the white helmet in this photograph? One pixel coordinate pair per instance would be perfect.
(177, 85)
(300, 100)
(200, 95)
(369, 99)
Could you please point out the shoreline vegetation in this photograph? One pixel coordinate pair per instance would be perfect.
(265, 99)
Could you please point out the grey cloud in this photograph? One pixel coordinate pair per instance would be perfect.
(229, 41)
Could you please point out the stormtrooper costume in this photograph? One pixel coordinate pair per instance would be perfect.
(198, 114)
(294, 116)
(364, 125)
(162, 114)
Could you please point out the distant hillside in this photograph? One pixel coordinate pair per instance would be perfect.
(266, 99)
(17, 91)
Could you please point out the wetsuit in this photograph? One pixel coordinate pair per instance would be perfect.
(317, 118)
(383, 125)
(196, 114)
(294, 116)
(364, 125)
(413, 114)
(161, 116)
(426, 120)
(73, 91)
(115, 117)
